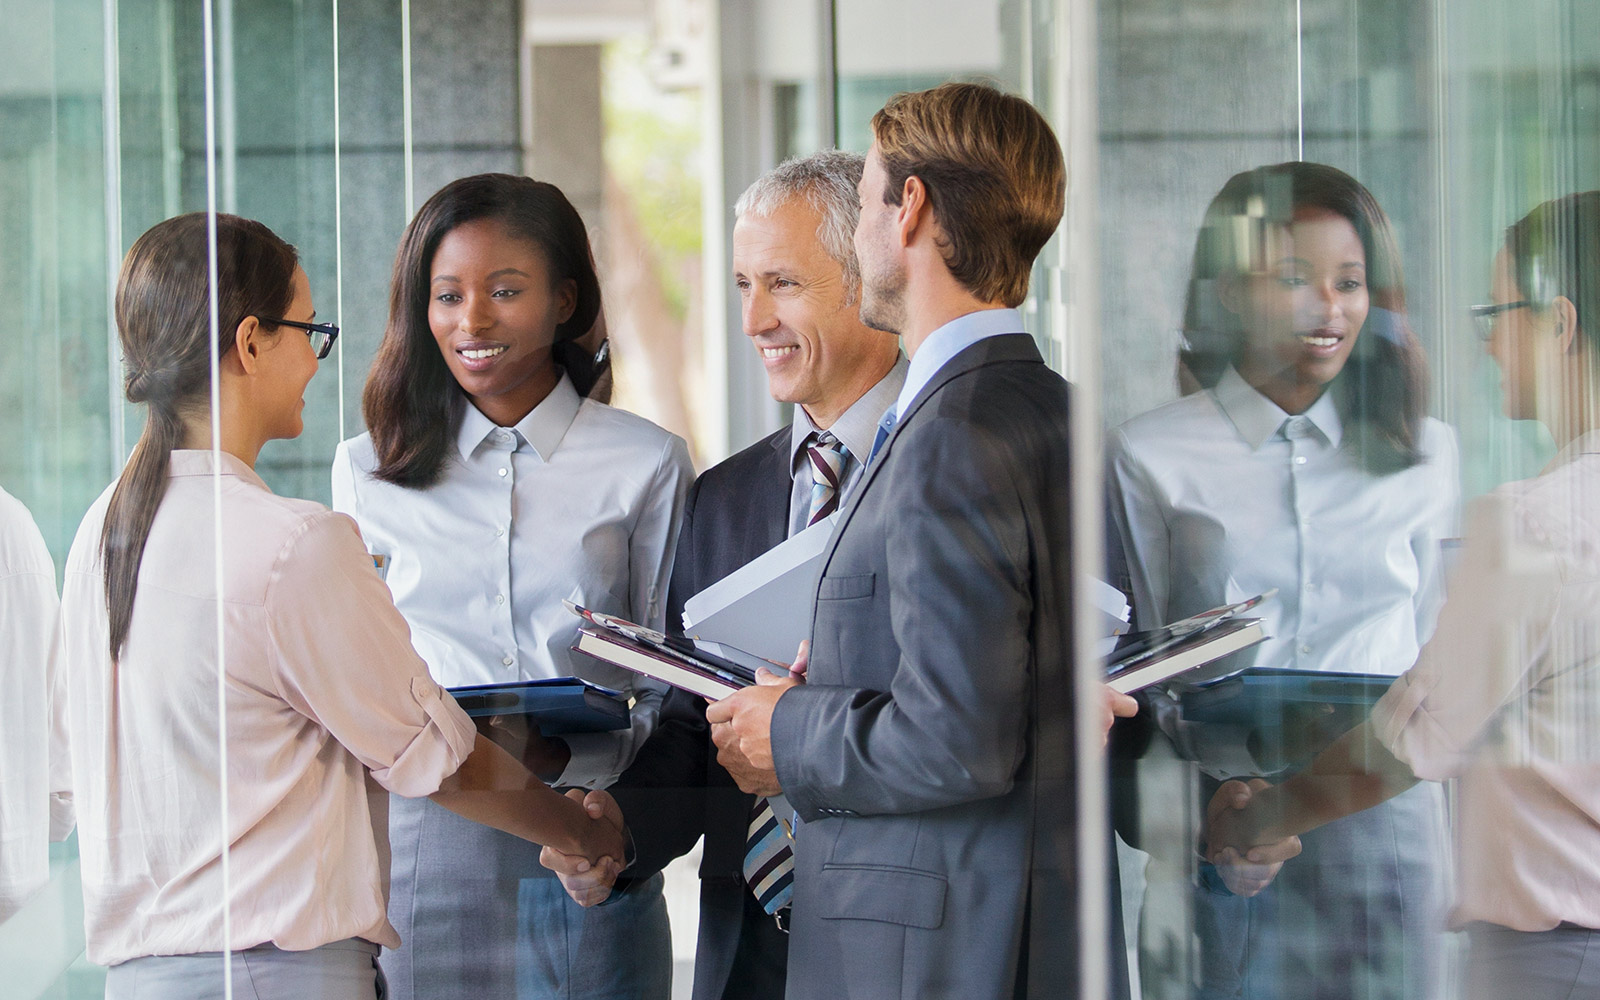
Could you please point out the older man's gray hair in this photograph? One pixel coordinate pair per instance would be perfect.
(827, 180)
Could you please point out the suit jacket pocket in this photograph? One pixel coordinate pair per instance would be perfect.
(903, 896)
(845, 588)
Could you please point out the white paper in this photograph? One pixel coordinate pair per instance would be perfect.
(764, 607)
(1113, 606)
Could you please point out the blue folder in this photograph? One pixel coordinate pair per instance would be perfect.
(557, 705)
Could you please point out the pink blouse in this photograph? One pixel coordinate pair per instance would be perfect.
(327, 706)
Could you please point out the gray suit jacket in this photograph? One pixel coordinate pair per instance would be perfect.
(930, 756)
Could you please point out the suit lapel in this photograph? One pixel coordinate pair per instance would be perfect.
(777, 480)
(990, 350)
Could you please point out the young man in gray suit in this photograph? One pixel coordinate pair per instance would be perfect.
(795, 267)
(929, 750)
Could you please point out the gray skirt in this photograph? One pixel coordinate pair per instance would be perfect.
(480, 919)
(342, 970)
(1558, 964)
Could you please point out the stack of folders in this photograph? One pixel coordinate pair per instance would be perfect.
(558, 706)
(709, 669)
(1142, 659)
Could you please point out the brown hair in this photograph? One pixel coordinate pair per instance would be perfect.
(1555, 250)
(994, 175)
(1383, 387)
(164, 322)
(412, 404)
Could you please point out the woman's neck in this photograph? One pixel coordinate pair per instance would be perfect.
(1292, 397)
(236, 441)
(509, 408)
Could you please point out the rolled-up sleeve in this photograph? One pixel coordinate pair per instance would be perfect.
(343, 657)
(1491, 644)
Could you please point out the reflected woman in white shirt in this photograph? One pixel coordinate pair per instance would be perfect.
(1505, 697)
(1306, 465)
(322, 690)
(494, 488)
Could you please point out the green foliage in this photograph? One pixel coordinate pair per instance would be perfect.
(653, 149)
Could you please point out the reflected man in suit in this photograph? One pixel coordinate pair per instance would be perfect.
(799, 289)
(929, 752)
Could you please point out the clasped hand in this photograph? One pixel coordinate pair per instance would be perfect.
(741, 726)
(1247, 855)
(588, 876)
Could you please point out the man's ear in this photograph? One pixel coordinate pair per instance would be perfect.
(1565, 315)
(247, 344)
(915, 209)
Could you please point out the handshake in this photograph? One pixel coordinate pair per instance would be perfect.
(589, 877)
(1241, 837)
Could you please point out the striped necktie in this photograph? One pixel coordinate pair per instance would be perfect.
(769, 846)
(826, 458)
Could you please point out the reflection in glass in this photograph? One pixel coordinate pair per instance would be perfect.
(1505, 697)
(1303, 464)
(35, 796)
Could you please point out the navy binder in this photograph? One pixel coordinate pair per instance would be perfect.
(558, 705)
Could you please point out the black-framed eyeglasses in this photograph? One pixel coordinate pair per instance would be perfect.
(322, 334)
(1483, 316)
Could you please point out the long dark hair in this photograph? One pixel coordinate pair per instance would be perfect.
(164, 323)
(412, 404)
(1383, 387)
(1555, 250)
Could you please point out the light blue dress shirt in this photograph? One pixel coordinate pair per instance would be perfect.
(579, 501)
(949, 340)
(1221, 495)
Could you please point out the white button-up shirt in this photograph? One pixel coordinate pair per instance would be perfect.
(1221, 495)
(35, 797)
(324, 695)
(578, 501)
(1506, 697)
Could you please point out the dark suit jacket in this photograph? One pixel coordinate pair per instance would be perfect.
(930, 755)
(675, 791)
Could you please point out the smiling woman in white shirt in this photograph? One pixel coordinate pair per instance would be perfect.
(323, 692)
(494, 488)
(1305, 464)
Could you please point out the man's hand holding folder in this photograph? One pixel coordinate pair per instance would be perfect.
(741, 726)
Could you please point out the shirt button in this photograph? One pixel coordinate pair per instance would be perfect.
(499, 598)
(1312, 585)
(502, 473)
(498, 532)
(1299, 460)
(508, 661)
(1305, 649)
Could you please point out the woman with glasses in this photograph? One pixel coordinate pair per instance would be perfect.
(1305, 465)
(494, 486)
(251, 826)
(1505, 696)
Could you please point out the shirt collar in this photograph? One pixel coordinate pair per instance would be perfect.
(857, 425)
(1583, 444)
(945, 343)
(199, 462)
(1258, 418)
(543, 427)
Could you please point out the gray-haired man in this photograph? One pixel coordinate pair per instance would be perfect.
(799, 287)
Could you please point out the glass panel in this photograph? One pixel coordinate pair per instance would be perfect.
(1280, 420)
(54, 457)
